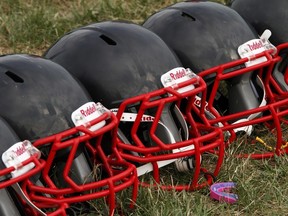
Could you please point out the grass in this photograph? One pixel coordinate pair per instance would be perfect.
(261, 187)
(31, 26)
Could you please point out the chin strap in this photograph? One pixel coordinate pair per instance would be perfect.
(182, 164)
(20, 192)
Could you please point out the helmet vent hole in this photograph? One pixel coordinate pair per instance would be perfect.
(188, 16)
(14, 77)
(108, 40)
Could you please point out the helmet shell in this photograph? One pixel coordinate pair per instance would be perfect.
(265, 14)
(114, 60)
(37, 96)
(203, 34)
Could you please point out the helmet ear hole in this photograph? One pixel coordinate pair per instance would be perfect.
(14, 77)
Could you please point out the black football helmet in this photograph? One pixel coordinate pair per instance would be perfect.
(205, 34)
(270, 15)
(47, 107)
(122, 64)
(221, 47)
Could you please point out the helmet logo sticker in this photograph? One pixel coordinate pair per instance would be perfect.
(88, 112)
(178, 75)
(254, 47)
(17, 154)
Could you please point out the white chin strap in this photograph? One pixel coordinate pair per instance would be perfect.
(20, 192)
(182, 164)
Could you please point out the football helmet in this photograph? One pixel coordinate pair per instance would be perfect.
(217, 44)
(256, 13)
(121, 64)
(73, 137)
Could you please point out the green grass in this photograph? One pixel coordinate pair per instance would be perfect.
(31, 26)
(261, 186)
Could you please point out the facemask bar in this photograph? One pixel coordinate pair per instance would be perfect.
(276, 81)
(270, 114)
(116, 175)
(162, 153)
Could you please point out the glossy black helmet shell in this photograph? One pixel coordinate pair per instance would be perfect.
(203, 34)
(265, 14)
(114, 60)
(37, 96)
